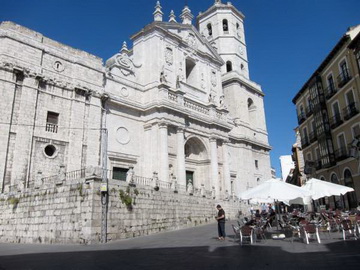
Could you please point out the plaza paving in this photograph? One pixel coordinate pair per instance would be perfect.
(193, 248)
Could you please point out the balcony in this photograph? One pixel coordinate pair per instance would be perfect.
(318, 164)
(335, 121)
(341, 153)
(343, 78)
(309, 111)
(301, 118)
(330, 91)
(305, 142)
(328, 161)
(313, 136)
(51, 128)
(350, 110)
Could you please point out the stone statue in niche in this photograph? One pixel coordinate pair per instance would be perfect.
(181, 73)
(130, 175)
(169, 56)
(222, 104)
(190, 188)
(211, 98)
(213, 78)
(163, 76)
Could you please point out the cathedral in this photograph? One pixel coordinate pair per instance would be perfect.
(178, 107)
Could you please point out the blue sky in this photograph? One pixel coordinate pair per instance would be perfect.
(286, 40)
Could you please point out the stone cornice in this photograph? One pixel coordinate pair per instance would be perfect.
(215, 7)
(266, 147)
(226, 80)
(36, 74)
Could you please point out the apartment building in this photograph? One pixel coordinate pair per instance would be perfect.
(329, 121)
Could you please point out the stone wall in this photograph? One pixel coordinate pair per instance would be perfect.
(71, 212)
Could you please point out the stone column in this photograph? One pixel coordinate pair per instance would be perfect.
(226, 168)
(164, 156)
(214, 166)
(181, 175)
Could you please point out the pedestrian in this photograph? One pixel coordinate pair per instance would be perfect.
(221, 222)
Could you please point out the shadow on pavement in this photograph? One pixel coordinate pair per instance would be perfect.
(344, 254)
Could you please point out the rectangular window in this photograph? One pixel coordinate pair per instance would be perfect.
(344, 70)
(330, 81)
(350, 98)
(52, 120)
(356, 131)
(341, 141)
(256, 164)
(119, 173)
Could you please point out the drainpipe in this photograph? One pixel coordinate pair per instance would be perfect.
(104, 181)
(19, 76)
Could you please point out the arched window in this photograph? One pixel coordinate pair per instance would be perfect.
(228, 66)
(250, 103)
(334, 179)
(351, 196)
(209, 28)
(348, 178)
(225, 26)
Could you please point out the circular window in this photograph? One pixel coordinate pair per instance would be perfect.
(58, 66)
(122, 135)
(124, 92)
(50, 150)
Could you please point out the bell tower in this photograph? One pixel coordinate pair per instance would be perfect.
(223, 26)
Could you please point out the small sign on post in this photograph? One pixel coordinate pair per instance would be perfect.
(103, 187)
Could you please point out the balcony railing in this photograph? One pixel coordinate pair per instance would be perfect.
(335, 121)
(301, 117)
(51, 128)
(313, 136)
(341, 153)
(350, 110)
(309, 111)
(343, 78)
(330, 91)
(318, 164)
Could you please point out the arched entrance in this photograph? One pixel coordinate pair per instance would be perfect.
(197, 163)
(351, 196)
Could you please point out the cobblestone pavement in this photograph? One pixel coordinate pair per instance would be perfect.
(194, 248)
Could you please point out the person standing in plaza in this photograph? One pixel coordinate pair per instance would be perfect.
(221, 222)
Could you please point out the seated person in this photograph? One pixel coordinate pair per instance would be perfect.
(257, 213)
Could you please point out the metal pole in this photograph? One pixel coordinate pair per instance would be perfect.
(104, 195)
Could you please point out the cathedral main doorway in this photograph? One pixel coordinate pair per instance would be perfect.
(197, 163)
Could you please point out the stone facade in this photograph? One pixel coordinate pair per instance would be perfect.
(71, 212)
(179, 108)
